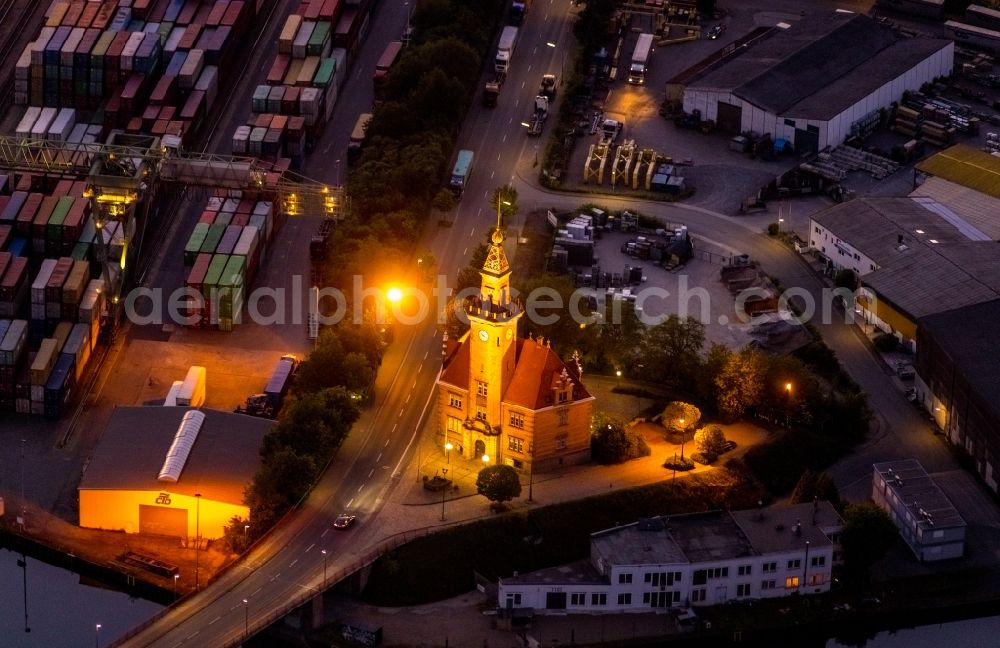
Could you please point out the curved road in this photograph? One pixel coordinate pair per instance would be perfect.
(290, 563)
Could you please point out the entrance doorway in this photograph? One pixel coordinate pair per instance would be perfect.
(480, 448)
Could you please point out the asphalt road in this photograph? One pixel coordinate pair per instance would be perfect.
(290, 562)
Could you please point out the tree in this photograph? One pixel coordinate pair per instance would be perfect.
(710, 440)
(237, 534)
(673, 350)
(739, 384)
(612, 442)
(680, 417)
(281, 481)
(498, 484)
(805, 489)
(444, 200)
(846, 278)
(867, 535)
(355, 373)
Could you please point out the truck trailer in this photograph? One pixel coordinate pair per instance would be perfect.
(192, 392)
(505, 49)
(640, 59)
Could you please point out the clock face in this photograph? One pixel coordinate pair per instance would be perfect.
(483, 335)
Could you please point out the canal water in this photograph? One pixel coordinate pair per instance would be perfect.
(61, 611)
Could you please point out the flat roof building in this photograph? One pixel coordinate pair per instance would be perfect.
(164, 470)
(926, 518)
(684, 560)
(815, 83)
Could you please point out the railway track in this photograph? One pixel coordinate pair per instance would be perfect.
(15, 18)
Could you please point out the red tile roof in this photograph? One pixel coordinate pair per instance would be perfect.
(456, 364)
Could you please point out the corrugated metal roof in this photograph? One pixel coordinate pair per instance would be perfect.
(979, 210)
(966, 166)
(926, 502)
(180, 449)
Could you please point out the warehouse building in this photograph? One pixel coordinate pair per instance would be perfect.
(914, 257)
(958, 380)
(174, 471)
(684, 560)
(816, 82)
(927, 520)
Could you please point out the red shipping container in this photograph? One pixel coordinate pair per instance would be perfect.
(27, 213)
(167, 112)
(53, 289)
(276, 75)
(78, 188)
(159, 127)
(190, 37)
(73, 14)
(14, 279)
(5, 231)
(194, 106)
(279, 122)
(234, 14)
(217, 12)
(163, 92)
(41, 220)
(73, 224)
(88, 15)
(245, 207)
(140, 9)
(134, 126)
(207, 217)
(63, 188)
(201, 15)
(240, 219)
(187, 14)
(312, 11)
(263, 120)
(331, 10)
(149, 116)
(105, 14)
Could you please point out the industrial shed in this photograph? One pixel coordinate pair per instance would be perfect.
(816, 82)
(966, 166)
(153, 463)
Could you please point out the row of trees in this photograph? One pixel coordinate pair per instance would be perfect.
(329, 386)
(411, 136)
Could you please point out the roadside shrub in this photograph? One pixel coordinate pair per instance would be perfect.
(678, 463)
(611, 442)
(706, 459)
(772, 229)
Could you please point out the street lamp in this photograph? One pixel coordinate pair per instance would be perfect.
(562, 62)
(788, 402)
(246, 618)
(447, 450)
(485, 458)
(444, 471)
(531, 475)
(323, 551)
(246, 536)
(176, 576)
(683, 436)
(97, 635)
(500, 201)
(197, 537)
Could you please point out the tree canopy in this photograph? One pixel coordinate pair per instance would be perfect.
(498, 483)
(612, 442)
(866, 537)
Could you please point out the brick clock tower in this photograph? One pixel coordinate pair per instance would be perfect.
(507, 400)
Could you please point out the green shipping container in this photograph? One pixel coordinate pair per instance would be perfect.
(215, 268)
(324, 73)
(53, 230)
(164, 32)
(195, 241)
(231, 286)
(319, 39)
(215, 232)
(223, 218)
(81, 251)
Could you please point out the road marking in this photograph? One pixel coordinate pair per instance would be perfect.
(535, 51)
(394, 425)
(420, 368)
(386, 443)
(504, 138)
(465, 252)
(498, 157)
(178, 643)
(214, 620)
(492, 173)
(472, 233)
(529, 68)
(310, 547)
(378, 458)
(414, 385)
(292, 564)
(401, 410)
(516, 102)
(325, 531)
(426, 353)
(481, 209)
(360, 487)
(371, 472)
(408, 398)
(349, 503)
(191, 635)
(523, 83)
(275, 577)
(255, 592)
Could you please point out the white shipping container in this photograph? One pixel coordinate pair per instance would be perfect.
(208, 83)
(38, 45)
(214, 204)
(41, 279)
(37, 311)
(22, 69)
(38, 392)
(171, 399)
(339, 55)
(192, 392)
(69, 47)
(230, 205)
(302, 39)
(62, 125)
(131, 47)
(240, 139)
(247, 242)
(41, 127)
(191, 70)
(13, 342)
(176, 34)
(76, 135)
(28, 121)
(309, 101)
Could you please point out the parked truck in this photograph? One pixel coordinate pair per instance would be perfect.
(518, 9)
(492, 90)
(610, 128)
(505, 49)
(640, 59)
(192, 392)
(281, 379)
(357, 141)
(537, 120)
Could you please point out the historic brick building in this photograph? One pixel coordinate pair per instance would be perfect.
(510, 400)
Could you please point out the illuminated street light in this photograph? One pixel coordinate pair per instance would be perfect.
(246, 618)
(444, 491)
(97, 635)
(176, 576)
(562, 62)
(246, 536)
(486, 458)
(197, 537)
(323, 551)
(394, 295)
(447, 451)
(683, 436)
(500, 201)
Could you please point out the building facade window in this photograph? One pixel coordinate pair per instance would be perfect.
(624, 599)
(768, 585)
(791, 582)
(455, 401)
(517, 420)
(482, 389)
(578, 598)
(697, 595)
(817, 579)
(513, 599)
(598, 598)
(742, 590)
(563, 396)
(818, 561)
(662, 579)
(515, 444)
(795, 564)
(481, 413)
(770, 568)
(624, 579)
(561, 442)
(744, 570)
(563, 416)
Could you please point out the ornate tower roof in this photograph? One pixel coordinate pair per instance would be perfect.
(496, 260)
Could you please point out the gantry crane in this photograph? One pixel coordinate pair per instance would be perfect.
(122, 176)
